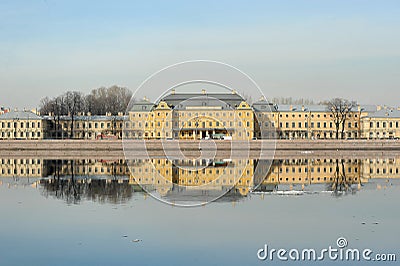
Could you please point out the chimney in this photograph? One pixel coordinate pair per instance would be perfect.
(378, 107)
(303, 108)
(173, 91)
(203, 91)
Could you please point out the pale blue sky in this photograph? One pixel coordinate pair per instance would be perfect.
(310, 49)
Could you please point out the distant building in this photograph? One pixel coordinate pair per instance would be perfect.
(302, 121)
(382, 124)
(84, 126)
(21, 125)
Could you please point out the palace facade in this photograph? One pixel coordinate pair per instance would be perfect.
(192, 116)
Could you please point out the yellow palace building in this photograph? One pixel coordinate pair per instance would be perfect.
(192, 116)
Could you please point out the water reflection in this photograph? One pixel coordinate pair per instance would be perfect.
(116, 182)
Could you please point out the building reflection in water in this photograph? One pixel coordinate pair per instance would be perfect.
(115, 182)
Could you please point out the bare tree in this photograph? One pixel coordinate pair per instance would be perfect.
(108, 100)
(74, 104)
(340, 109)
(98, 102)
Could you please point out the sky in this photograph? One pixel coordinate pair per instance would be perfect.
(300, 49)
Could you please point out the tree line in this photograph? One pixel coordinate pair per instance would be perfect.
(99, 101)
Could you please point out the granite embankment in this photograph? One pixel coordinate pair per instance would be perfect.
(207, 148)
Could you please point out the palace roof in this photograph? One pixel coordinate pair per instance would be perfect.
(20, 115)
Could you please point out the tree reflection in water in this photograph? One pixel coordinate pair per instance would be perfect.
(74, 189)
(341, 185)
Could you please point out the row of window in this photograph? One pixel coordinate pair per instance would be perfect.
(20, 124)
(191, 124)
(383, 171)
(312, 125)
(189, 114)
(318, 115)
(90, 125)
(28, 171)
(384, 124)
(318, 170)
(20, 161)
(20, 134)
(299, 179)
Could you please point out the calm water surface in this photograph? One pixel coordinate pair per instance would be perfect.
(91, 212)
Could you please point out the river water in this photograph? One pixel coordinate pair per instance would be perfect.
(101, 212)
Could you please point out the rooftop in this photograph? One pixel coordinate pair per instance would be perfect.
(197, 99)
(385, 113)
(19, 115)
